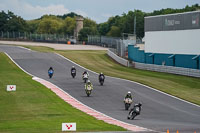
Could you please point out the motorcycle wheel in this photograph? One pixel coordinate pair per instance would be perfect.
(88, 93)
(127, 106)
(133, 116)
(50, 76)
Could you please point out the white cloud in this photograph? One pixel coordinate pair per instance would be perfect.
(28, 11)
(39, 10)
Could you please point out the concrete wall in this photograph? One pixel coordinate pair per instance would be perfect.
(168, 69)
(173, 42)
(118, 59)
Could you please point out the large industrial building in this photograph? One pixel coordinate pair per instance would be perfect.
(172, 40)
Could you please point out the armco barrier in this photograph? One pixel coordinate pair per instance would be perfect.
(120, 60)
(168, 69)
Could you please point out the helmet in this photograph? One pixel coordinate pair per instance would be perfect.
(140, 104)
(129, 92)
(72, 66)
(88, 81)
(101, 73)
(50, 68)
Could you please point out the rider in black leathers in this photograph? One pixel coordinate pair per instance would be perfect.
(136, 105)
(73, 68)
(101, 74)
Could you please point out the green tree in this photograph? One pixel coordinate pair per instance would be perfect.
(71, 14)
(69, 25)
(83, 34)
(49, 25)
(33, 25)
(89, 23)
(10, 22)
(103, 28)
(114, 32)
(3, 20)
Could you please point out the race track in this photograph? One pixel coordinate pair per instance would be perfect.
(159, 111)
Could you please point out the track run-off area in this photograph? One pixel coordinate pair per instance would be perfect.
(159, 111)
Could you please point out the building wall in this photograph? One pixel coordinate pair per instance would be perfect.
(186, 61)
(135, 54)
(181, 60)
(173, 42)
(173, 33)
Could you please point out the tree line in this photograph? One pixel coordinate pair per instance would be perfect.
(65, 24)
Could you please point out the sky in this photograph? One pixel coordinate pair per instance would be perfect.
(98, 10)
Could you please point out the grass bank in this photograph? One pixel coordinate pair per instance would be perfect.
(35, 108)
(184, 87)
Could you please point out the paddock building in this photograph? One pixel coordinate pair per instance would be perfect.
(172, 40)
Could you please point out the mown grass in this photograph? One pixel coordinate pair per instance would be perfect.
(35, 108)
(184, 87)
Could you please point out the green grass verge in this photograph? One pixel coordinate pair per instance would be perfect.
(184, 87)
(34, 108)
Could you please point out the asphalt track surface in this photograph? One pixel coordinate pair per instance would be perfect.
(159, 111)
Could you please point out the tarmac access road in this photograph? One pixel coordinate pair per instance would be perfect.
(56, 46)
(159, 111)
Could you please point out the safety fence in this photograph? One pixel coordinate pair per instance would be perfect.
(157, 68)
(119, 45)
(25, 36)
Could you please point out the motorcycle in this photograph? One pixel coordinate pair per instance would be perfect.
(88, 90)
(135, 111)
(101, 80)
(50, 72)
(73, 73)
(127, 103)
(85, 77)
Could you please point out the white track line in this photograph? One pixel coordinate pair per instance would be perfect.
(132, 82)
(24, 48)
(18, 65)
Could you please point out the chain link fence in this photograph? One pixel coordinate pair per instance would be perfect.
(117, 45)
(25, 36)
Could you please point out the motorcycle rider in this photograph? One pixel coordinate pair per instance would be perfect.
(88, 84)
(101, 74)
(50, 72)
(51, 68)
(128, 95)
(137, 105)
(73, 69)
(85, 72)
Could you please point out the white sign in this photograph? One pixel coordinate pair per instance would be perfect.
(11, 87)
(68, 126)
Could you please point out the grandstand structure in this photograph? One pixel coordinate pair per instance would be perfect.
(171, 40)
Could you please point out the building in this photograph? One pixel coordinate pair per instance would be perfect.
(172, 40)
